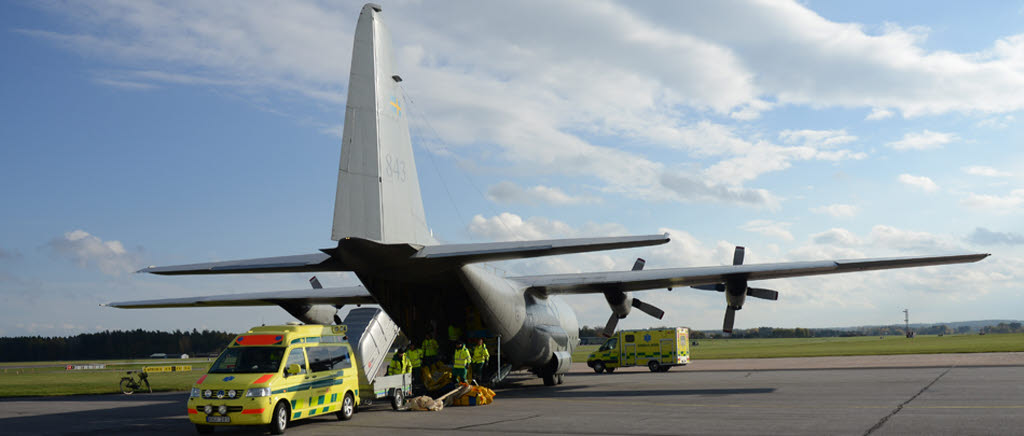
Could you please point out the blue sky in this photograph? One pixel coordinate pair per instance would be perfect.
(138, 133)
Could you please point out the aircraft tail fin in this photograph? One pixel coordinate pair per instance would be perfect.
(378, 195)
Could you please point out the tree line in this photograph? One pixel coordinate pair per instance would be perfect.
(114, 344)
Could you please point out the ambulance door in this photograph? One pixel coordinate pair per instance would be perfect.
(628, 349)
(297, 384)
(668, 351)
(322, 378)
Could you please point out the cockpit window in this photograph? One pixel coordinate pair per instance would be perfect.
(243, 360)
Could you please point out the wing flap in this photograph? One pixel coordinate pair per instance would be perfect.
(586, 283)
(336, 296)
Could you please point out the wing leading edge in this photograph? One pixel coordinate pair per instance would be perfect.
(587, 283)
(334, 296)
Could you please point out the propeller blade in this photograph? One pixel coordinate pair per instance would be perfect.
(639, 264)
(648, 309)
(730, 318)
(764, 294)
(315, 283)
(609, 329)
(720, 287)
(737, 256)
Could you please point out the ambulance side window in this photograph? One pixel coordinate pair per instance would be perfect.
(295, 356)
(628, 339)
(319, 358)
(340, 358)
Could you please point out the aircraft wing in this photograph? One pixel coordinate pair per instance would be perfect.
(335, 296)
(597, 282)
(494, 251)
(315, 262)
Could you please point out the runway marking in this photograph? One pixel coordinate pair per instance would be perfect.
(885, 418)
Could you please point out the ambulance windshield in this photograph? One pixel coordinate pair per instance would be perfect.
(610, 345)
(249, 360)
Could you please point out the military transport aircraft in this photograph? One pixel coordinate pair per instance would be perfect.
(382, 236)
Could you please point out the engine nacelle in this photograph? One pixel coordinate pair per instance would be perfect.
(326, 314)
(619, 302)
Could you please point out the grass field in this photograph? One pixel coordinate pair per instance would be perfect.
(50, 378)
(858, 346)
(55, 380)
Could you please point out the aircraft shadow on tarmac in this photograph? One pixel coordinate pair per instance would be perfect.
(138, 414)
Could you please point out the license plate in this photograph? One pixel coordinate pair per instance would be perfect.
(218, 419)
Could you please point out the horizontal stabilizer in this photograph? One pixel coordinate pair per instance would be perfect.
(315, 262)
(494, 251)
(334, 296)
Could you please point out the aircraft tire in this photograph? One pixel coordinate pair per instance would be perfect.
(279, 420)
(598, 367)
(560, 378)
(549, 380)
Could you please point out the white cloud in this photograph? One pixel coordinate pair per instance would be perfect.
(879, 114)
(1000, 203)
(823, 138)
(837, 210)
(835, 236)
(978, 170)
(908, 240)
(770, 228)
(512, 227)
(921, 182)
(508, 192)
(87, 250)
(924, 140)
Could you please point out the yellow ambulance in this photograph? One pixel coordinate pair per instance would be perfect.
(275, 374)
(659, 349)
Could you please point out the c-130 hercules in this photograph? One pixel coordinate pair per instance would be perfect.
(382, 236)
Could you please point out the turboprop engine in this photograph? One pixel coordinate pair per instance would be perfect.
(736, 290)
(621, 304)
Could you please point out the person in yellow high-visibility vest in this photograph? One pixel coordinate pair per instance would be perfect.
(399, 363)
(415, 356)
(480, 357)
(459, 362)
(430, 349)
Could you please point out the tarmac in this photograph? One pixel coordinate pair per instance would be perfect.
(961, 394)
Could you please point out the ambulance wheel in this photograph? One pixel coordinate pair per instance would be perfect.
(348, 407)
(204, 429)
(549, 380)
(398, 399)
(654, 366)
(609, 370)
(279, 420)
(598, 367)
(560, 378)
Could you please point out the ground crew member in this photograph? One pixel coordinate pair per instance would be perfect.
(415, 356)
(430, 348)
(399, 363)
(459, 363)
(480, 357)
(454, 336)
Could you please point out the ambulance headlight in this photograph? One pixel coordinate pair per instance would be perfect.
(232, 394)
(208, 409)
(207, 393)
(223, 410)
(258, 392)
(195, 393)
